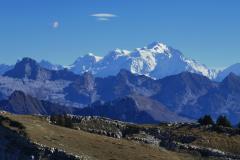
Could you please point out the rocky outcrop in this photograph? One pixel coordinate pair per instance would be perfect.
(54, 153)
(143, 137)
(99, 125)
(203, 151)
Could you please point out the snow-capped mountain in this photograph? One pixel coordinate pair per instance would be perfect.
(85, 63)
(235, 68)
(156, 60)
(185, 94)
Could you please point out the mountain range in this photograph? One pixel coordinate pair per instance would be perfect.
(29, 88)
(131, 110)
(156, 60)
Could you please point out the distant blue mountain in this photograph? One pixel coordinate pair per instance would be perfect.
(4, 68)
(127, 96)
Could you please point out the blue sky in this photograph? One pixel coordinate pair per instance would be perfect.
(62, 30)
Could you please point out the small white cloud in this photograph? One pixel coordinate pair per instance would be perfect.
(55, 24)
(104, 16)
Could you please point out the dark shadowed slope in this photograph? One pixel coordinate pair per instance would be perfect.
(225, 99)
(30, 69)
(137, 109)
(21, 103)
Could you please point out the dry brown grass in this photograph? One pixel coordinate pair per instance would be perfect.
(211, 139)
(99, 147)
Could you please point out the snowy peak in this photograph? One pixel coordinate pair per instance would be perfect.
(90, 57)
(115, 54)
(153, 49)
(155, 60)
(158, 47)
(85, 63)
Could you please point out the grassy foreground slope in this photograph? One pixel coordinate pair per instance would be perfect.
(95, 146)
(209, 138)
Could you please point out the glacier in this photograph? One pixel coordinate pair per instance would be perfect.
(156, 60)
